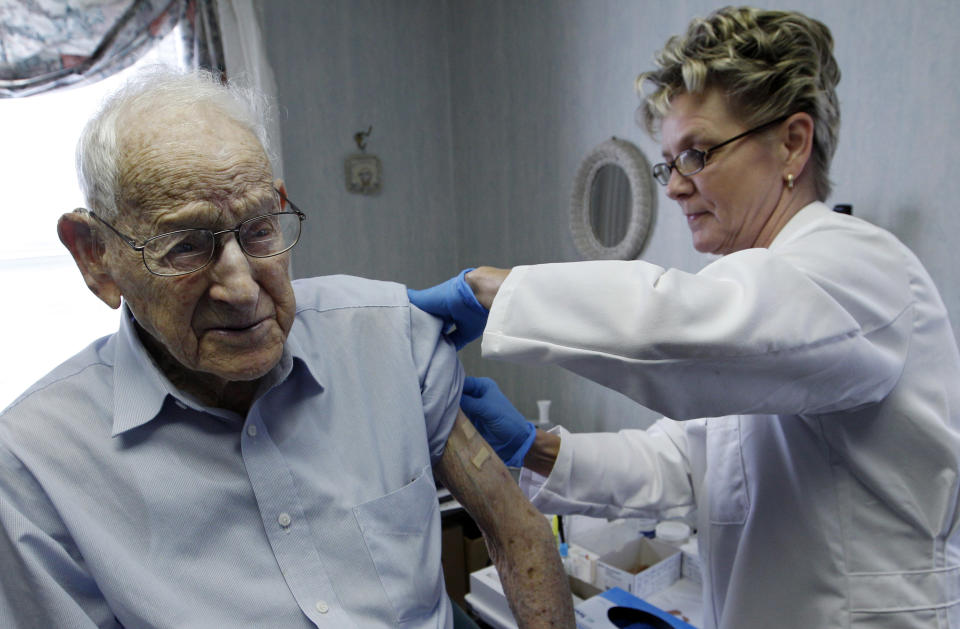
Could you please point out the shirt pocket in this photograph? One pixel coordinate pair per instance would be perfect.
(729, 502)
(402, 534)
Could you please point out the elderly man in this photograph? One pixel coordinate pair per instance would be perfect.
(245, 451)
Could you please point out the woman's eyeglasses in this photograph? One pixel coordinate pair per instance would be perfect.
(692, 161)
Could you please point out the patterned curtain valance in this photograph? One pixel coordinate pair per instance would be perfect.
(51, 44)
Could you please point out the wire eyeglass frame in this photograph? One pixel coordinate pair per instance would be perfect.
(236, 230)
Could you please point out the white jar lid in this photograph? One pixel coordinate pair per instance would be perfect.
(671, 531)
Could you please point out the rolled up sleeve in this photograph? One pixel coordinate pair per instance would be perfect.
(632, 473)
(441, 378)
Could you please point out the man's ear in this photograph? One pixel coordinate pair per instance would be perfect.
(78, 235)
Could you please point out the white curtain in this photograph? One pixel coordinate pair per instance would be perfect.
(247, 64)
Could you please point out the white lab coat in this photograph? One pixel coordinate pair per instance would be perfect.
(824, 483)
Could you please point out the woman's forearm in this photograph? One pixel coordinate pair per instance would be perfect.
(543, 453)
(485, 281)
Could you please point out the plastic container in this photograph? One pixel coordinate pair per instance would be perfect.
(672, 532)
(646, 527)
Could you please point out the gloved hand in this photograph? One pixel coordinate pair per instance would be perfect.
(456, 305)
(504, 428)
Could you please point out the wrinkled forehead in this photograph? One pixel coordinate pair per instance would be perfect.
(175, 158)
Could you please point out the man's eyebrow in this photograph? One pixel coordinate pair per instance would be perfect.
(191, 216)
(196, 215)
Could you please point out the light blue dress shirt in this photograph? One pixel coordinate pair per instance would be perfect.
(124, 502)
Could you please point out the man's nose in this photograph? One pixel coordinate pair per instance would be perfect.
(232, 274)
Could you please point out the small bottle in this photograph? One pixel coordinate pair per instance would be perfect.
(543, 418)
(646, 527)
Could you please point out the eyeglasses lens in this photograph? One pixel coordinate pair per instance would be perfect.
(689, 162)
(179, 252)
(187, 250)
(662, 172)
(268, 235)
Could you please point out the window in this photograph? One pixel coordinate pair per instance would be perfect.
(48, 313)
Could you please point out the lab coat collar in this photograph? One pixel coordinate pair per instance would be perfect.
(140, 388)
(804, 217)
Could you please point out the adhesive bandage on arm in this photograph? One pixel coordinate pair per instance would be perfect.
(468, 430)
(480, 457)
(482, 453)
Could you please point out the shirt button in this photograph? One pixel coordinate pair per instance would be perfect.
(322, 607)
(252, 430)
(284, 520)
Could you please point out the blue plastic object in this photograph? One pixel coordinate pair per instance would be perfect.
(631, 612)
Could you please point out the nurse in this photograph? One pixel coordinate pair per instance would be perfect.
(813, 363)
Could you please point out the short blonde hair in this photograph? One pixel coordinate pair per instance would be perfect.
(768, 63)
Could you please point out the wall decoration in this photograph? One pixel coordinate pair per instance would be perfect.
(613, 202)
(362, 171)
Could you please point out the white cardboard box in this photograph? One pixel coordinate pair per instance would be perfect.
(582, 563)
(587, 547)
(641, 567)
(487, 599)
(690, 563)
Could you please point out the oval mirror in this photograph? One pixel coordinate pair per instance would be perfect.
(613, 202)
(610, 205)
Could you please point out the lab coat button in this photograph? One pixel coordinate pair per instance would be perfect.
(284, 520)
(322, 607)
(252, 430)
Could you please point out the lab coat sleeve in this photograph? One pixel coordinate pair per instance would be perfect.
(632, 473)
(797, 331)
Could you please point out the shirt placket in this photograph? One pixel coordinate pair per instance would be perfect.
(287, 528)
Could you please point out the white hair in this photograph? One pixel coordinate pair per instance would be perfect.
(152, 90)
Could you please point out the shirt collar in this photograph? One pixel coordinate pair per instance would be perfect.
(140, 388)
(305, 354)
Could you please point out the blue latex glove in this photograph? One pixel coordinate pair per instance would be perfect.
(454, 302)
(505, 429)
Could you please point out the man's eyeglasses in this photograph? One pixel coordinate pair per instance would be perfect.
(188, 250)
(692, 161)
